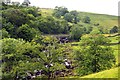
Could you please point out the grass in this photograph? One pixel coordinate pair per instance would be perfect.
(105, 21)
(112, 73)
(113, 39)
(46, 12)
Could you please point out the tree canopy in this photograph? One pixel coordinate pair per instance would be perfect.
(93, 56)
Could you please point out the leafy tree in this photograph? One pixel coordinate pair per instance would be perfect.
(77, 31)
(49, 25)
(60, 11)
(18, 56)
(93, 56)
(15, 16)
(26, 33)
(76, 17)
(72, 17)
(86, 19)
(74, 12)
(68, 17)
(31, 10)
(5, 34)
(58, 15)
(9, 27)
(64, 27)
(114, 29)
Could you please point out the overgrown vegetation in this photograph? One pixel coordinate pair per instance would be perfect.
(62, 44)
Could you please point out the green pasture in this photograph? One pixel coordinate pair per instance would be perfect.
(111, 73)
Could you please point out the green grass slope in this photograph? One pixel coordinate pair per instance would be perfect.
(112, 73)
(105, 21)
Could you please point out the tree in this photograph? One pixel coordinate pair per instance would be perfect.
(26, 33)
(15, 16)
(72, 17)
(77, 31)
(60, 11)
(4, 33)
(68, 17)
(49, 25)
(18, 56)
(9, 27)
(114, 29)
(74, 12)
(76, 18)
(86, 19)
(93, 56)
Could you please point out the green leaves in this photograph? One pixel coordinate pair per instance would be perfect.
(93, 55)
(15, 16)
(77, 31)
(26, 33)
(19, 54)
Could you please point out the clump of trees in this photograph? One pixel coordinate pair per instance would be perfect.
(30, 22)
(60, 11)
(27, 52)
(86, 19)
(20, 57)
(77, 31)
(70, 16)
(93, 56)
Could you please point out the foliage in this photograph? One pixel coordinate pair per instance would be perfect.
(17, 55)
(86, 19)
(60, 11)
(26, 33)
(72, 17)
(68, 17)
(114, 29)
(89, 29)
(93, 57)
(32, 24)
(95, 31)
(17, 19)
(49, 25)
(20, 57)
(9, 27)
(77, 31)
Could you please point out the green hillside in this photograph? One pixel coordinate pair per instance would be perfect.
(112, 73)
(105, 21)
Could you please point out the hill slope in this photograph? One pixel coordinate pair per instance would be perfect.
(112, 73)
(105, 21)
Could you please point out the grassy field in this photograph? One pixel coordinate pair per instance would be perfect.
(112, 73)
(46, 12)
(105, 21)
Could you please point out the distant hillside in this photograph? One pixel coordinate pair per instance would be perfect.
(102, 19)
(112, 73)
(105, 21)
